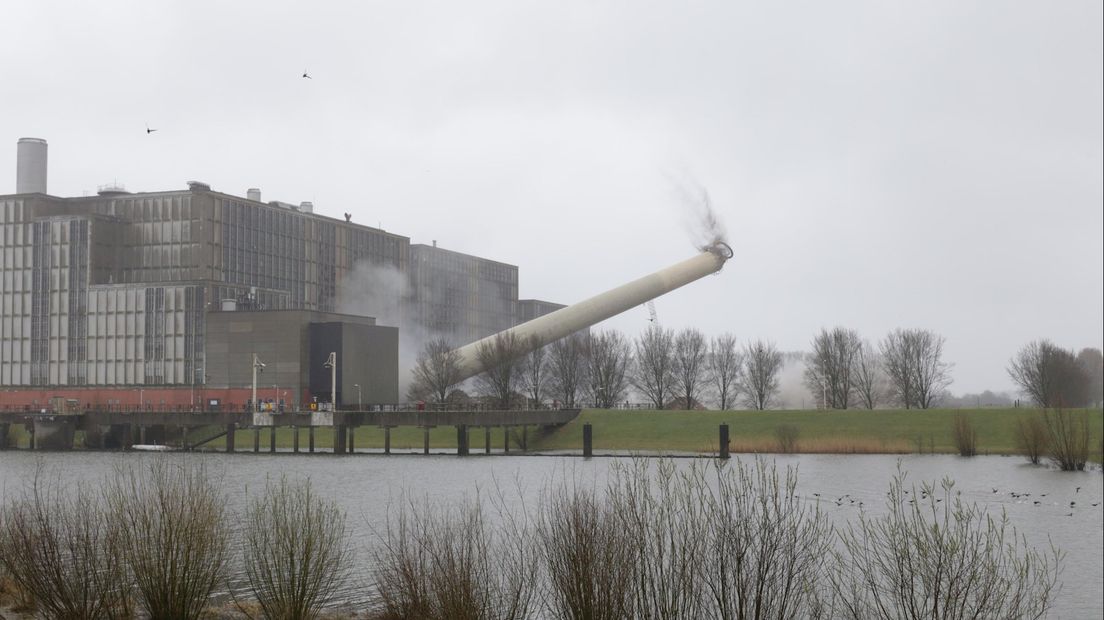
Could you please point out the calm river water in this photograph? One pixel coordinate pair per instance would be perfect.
(365, 485)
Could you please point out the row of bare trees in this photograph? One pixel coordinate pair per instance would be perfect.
(670, 369)
(906, 369)
(684, 369)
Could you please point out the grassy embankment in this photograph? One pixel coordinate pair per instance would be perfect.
(849, 431)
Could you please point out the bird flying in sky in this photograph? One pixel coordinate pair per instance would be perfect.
(148, 130)
(307, 75)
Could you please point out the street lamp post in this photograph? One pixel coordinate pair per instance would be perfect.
(331, 363)
(360, 405)
(257, 365)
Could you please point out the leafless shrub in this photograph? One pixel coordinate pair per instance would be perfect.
(295, 550)
(585, 556)
(1032, 437)
(665, 541)
(535, 371)
(59, 549)
(725, 542)
(454, 565)
(937, 557)
(173, 534)
(965, 435)
(1068, 438)
(785, 435)
(765, 546)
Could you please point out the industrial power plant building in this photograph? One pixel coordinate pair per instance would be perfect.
(160, 299)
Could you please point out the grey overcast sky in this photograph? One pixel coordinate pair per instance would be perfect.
(877, 164)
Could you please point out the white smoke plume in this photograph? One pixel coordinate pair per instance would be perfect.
(383, 292)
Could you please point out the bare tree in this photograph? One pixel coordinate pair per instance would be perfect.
(653, 372)
(830, 366)
(436, 371)
(568, 369)
(691, 366)
(867, 377)
(501, 360)
(1049, 375)
(913, 361)
(535, 371)
(762, 365)
(608, 356)
(1092, 364)
(726, 364)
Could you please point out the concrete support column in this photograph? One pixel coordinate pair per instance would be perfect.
(5, 430)
(295, 439)
(310, 439)
(134, 435)
(339, 439)
(142, 434)
(230, 428)
(723, 440)
(588, 441)
(461, 440)
(387, 440)
(184, 439)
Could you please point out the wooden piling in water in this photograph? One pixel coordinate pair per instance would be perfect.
(339, 440)
(230, 436)
(588, 441)
(256, 439)
(310, 439)
(295, 439)
(425, 440)
(387, 440)
(272, 439)
(723, 440)
(352, 444)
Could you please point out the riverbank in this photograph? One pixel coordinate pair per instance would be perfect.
(852, 431)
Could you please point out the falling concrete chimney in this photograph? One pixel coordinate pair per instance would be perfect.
(253, 194)
(30, 166)
(306, 207)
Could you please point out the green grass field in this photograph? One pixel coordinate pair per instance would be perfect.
(849, 431)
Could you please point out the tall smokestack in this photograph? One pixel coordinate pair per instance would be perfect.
(253, 194)
(30, 166)
(566, 321)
